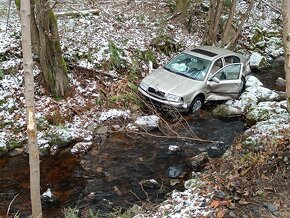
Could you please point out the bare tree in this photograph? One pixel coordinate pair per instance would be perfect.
(219, 33)
(30, 109)
(46, 46)
(286, 40)
(215, 11)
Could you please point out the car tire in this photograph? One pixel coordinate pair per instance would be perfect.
(243, 86)
(196, 104)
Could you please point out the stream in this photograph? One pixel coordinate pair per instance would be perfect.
(107, 179)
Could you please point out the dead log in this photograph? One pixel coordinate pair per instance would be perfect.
(77, 13)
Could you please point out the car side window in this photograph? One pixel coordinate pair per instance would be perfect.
(231, 72)
(232, 59)
(218, 64)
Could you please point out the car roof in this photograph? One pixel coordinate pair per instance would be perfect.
(210, 52)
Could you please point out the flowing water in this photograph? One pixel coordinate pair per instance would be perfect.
(108, 178)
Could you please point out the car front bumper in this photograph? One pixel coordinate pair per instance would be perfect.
(163, 104)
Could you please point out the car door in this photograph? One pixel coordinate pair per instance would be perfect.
(226, 83)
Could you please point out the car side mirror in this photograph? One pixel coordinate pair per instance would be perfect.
(214, 79)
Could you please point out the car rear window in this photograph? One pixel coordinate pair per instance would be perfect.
(207, 53)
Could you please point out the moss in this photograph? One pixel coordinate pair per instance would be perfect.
(57, 46)
(42, 123)
(258, 36)
(51, 81)
(14, 144)
(52, 17)
(63, 65)
(2, 102)
(3, 151)
(1, 73)
(125, 100)
(17, 3)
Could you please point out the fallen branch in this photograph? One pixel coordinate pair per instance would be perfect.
(173, 16)
(271, 6)
(94, 71)
(184, 138)
(75, 13)
(7, 214)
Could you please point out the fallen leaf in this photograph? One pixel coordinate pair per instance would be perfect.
(243, 202)
(216, 203)
(221, 214)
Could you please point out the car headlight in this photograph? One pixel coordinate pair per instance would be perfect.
(144, 86)
(174, 98)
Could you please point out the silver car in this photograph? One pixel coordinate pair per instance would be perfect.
(195, 77)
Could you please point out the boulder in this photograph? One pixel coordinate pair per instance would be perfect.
(81, 147)
(174, 171)
(258, 61)
(198, 161)
(227, 111)
(263, 111)
(281, 82)
(61, 137)
(277, 126)
(253, 81)
(253, 94)
(148, 123)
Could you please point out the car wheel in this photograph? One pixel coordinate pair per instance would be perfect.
(196, 104)
(243, 86)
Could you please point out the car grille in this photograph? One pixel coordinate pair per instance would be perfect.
(156, 93)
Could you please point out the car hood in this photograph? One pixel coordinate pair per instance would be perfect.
(168, 82)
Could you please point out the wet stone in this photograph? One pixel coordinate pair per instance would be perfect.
(219, 195)
(174, 171)
(272, 207)
(48, 199)
(174, 149)
(197, 161)
(149, 183)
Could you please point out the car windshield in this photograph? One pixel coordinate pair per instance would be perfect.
(189, 66)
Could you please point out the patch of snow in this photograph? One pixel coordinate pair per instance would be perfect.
(3, 139)
(114, 113)
(253, 81)
(148, 121)
(186, 204)
(81, 147)
(47, 193)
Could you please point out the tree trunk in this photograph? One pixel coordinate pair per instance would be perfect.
(229, 23)
(50, 57)
(30, 110)
(216, 7)
(243, 18)
(286, 40)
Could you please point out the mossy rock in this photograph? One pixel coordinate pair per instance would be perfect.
(165, 44)
(60, 137)
(192, 183)
(263, 111)
(258, 35)
(3, 150)
(226, 111)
